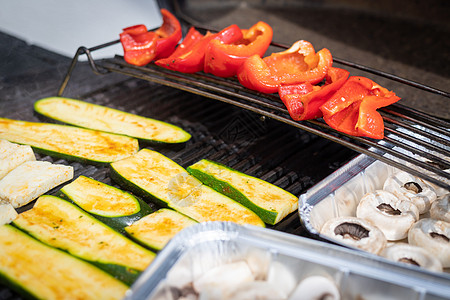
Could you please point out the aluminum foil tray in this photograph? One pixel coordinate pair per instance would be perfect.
(338, 195)
(357, 275)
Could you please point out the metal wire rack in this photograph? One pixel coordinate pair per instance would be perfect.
(414, 142)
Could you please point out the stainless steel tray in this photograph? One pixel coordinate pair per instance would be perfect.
(358, 275)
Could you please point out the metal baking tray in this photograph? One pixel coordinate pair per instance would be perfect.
(356, 274)
(338, 195)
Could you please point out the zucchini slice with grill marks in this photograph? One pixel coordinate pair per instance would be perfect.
(156, 177)
(268, 201)
(156, 229)
(112, 206)
(69, 142)
(63, 225)
(55, 274)
(93, 116)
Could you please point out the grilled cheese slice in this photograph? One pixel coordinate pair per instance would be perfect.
(13, 155)
(7, 213)
(31, 180)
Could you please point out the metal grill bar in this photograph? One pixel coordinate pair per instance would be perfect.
(415, 142)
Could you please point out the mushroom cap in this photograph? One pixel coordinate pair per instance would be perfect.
(414, 255)
(403, 184)
(224, 278)
(440, 209)
(434, 236)
(261, 290)
(392, 215)
(316, 287)
(355, 232)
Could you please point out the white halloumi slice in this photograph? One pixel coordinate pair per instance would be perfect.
(31, 180)
(7, 213)
(13, 155)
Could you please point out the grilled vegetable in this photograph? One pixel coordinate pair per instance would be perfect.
(156, 177)
(191, 57)
(32, 179)
(110, 205)
(156, 229)
(56, 275)
(300, 63)
(69, 142)
(353, 108)
(62, 225)
(303, 100)
(268, 201)
(97, 117)
(223, 58)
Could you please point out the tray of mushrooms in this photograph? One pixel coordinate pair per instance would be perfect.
(370, 206)
(223, 260)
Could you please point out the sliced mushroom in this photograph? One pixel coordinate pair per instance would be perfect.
(392, 215)
(434, 236)
(414, 255)
(440, 209)
(316, 288)
(413, 188)
(355, 232)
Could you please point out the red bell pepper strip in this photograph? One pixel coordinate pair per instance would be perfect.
(353, 108)
(300, 63)
(191, 57)
(224, 59)
(169, 34)
(303, 100)
(139, 45)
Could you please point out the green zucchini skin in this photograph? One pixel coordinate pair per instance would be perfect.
(134, 188)
(50, 221)
(92, 116)
(157, 178)
(217, 176)
(88, 188)
(156, 229)
(61, 276)
(69, 142)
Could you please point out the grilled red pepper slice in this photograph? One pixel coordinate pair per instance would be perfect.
(191, 57)
(303, 100)
(224, 59)
(169, 34)
(139, 45)
(353, 108)
(300, 63)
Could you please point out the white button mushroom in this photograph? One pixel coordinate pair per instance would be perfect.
(414, 255)
(413, 188)
(440, 209)
(316, 287)
(434, 236)
(392, 215)
(280, 275)
(224, 278)
(355, 232)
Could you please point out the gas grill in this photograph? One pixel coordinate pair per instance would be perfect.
(232, 125)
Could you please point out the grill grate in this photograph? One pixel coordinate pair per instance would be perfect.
(415, 142)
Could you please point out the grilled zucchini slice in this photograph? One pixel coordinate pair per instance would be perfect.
(112, 206)
(158, 178)
(69, 142)
(157, 229)
(63, 225)
(92, 116)
(268, 201)
(56, 274)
